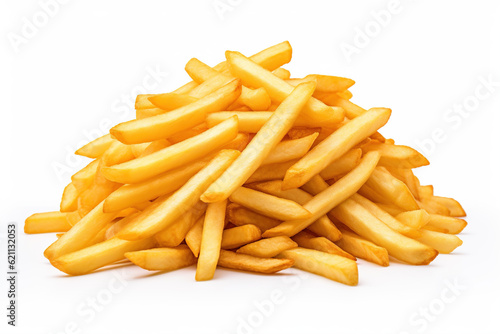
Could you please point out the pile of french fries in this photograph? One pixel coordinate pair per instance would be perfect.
(247, 168)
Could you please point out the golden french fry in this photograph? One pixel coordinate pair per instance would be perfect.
(118, 225)
(351, 110)
(322, 227)
(342, 165)
(330, 197)
(453, 205)
(269, 205)
(415, 218)
(174, 156)
(211, 241)
(46, 222)
(406, 175)
(170, 208)
(173, 235)
(308, 240)
(334, 267)
(240, 235)
(325, 83)
(171, 101)
(260, 146)
(268, 247)
(361, 221)
(193, 237)
(362, 248)
(270, 172)
(142, 101)
(145, 113)
(431, 206)
(239, 216)
(69, 200)
(346, 95)
(232, 260)
(85, 177)
(164, 259)
(333, 147)
(397, 156)
(86, 260)
(442, 242)
(445, 224)
(281, 73)
(385, 217)
(80, 235)
(426, 191)
(96, 148)
(253, 75)
(288, 150)
(155, 146)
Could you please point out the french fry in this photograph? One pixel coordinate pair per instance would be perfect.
(445, 224)
(442, 242)
(193, 237)
(334, 267)
(397, 156)
(117, 226)
(96, 148)
(142, 101)
(85, 177)
(164, 125)
(362, 248)
(342, 165)
(329, 198)
(415, 218)
(239, 216)
(99, 255)
(238, 236)
(361, 221)
(333, 147)
(270, 172)
(173, 156)
(269, 205)
(406, 175)
(69, 200)
(171, 101)
(281, 73)
(386, 218)
(456, 210)
(232, 260)
(170, 208)
(253, 75)
(346, 95)
(325, 83)
(288, 150)
(80, 235)
(149, 112)
(260, 146)
(154, 147)
(322, 227)
(431, 206)
(268, 247)
(211, 240)
(164, 259)
(426, 191)
(173, 235)
(46, 222)
(308, 240)
(351, 110)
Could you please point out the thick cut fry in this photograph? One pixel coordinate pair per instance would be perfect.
(442, 242)
(431, 206)
(308, 240)
(260, 146)
(397, 156)
(99, 255)
(362, 248)
(171, 101)
(173, 235)
(155, 146)
(164, 125)
(415, 218)
(193, 237)
(132, 194)
(342, 165)
(238, 236)
(96, 148)
(333, 147)
(169, 209)
(173, 156)
(361, 221)
(453, 205)
(392, 189)
(232, 260)
(164, 259)
(85, 177)
(322, 227)
(145, 113)
(281, 73)
(239, 216)
(142, 101)
(406, 175)
(334, 267)
(390, 208)
(385, 217)
(346, 95)
(211, 240)
(325, 83)
(252, 122)
(268, 247)
(426, 191)
(445, 224)
(330, 197)
(81, 234)
(117, 226)
(69, 200)
(47, 222)
(253, 75)
(269, 205)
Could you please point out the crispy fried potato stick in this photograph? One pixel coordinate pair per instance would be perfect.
(46, 222)
(232, 260)
(164, 259)
(269, 247)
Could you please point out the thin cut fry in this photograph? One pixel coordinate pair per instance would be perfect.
(268, 247)
(232, 260)
(164, 259)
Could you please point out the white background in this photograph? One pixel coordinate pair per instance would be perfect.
(68, 79)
